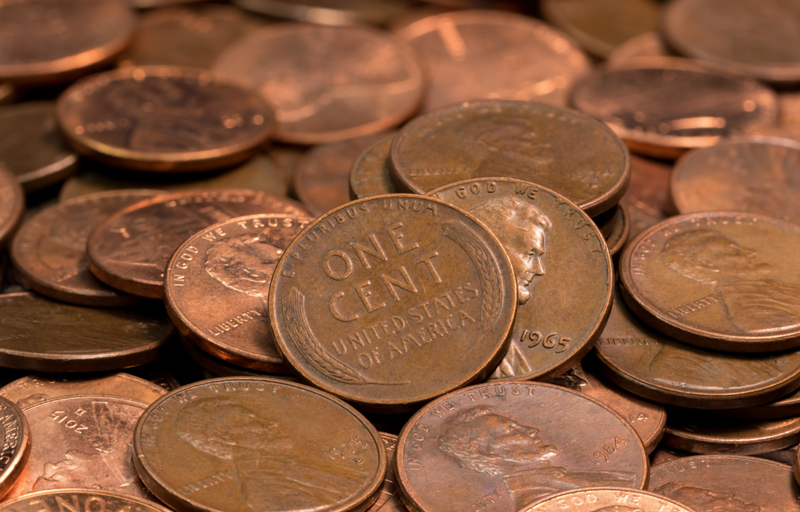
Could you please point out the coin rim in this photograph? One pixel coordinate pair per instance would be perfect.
(17, 463)
(157, 507)
(357, 170)
(622, 234)
(8, 230)
(533, 507)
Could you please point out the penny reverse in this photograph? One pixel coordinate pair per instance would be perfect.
(16, 435)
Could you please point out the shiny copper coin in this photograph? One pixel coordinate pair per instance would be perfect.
(16, 437)
(328, 12)
(12, 205)
(473, 55)
(647, 199)
(81, 499)
(245, 444)
(508, 444)
(371, 173)
(561, 264)
(53, 41)
(131, 249)
(49, 252)
(334, 83)
(665, 108)
(388, 501)
(620, 231)
(82, 442)
(727, 483)
(40, 334)
(392, 301)
(719, 280)
(609, 499)
(563, 150)
(647, 45)
(232, 261)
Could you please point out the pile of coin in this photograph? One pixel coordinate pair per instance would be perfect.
(351, 255)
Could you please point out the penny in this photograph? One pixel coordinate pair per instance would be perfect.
(130, 250)
(717, 280)
(40, 334)
(216, 367)
(789, 107)
(388, 501)
(561, 264)
(81, 499)
(49, 252)
(620, 230)
(55, 41)
(285, 157)
(16, 435)
(371, 173)
(563, 150)
(334, 83)
(711, 483)
(610, 499)
(30, 146)
(38, 388)
(664, 454)
(232, 261)
(604, 221)
(511, 443)
(758, 176)
(663, 109)
(490, 54)
(391, 301)
(12, 205)
(82, 442)
(322, 175)
(328, 12)
(243, 444)
(7, 93)
(163, 118)
(784, 456)
(647, 199)
(651, 364)
(649, 44)
(784, 407)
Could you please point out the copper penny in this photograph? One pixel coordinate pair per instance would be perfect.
(651, 364)
(329, 12)
(285, 157)
(371, 173)
(620, 231)
(719, 280)
(80, 499)
(727, 483)
(647, 199)
(388, 501)
(609, 499)
(668, 107)
(664, 454)
(130, 250)
(49, 252)
(784, 456)
(16, 437)
(12, 205)
(508, 444)
(82, 442)
(53, 41)
(40, 334)
(7, 93)
(563, 150)
(334, 83)
(561, 264)
(234, 262)
(784, 407)
(647, 45)
(216, 367)
(393, 300)
(322, 175)
(478, 54)
(244, 444)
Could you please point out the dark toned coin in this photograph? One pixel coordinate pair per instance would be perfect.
(647, 199)
(54, 41)
(328, 12)
(327, 83)
(784, 407)
(609, 499)
(727, 483)
(508, 444)
(388, 501)
(243, 444)
(81, 499)
(234, 262)
(40, 334)
(561, 264)
(784, 456)
(647, 45)
(82, 442)
(620, 230)
(371, 173)
(664, 454)
(663, 109)
(392, 301)
(16, 437)
(473, 55)
(563, 150)
(131, 249)
(12, 205)
(216, 367)
(49, 252)
(163, 118)
(719, 280)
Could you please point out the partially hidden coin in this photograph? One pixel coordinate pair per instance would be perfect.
(783, 407)
(40, 334)
(82, 442)
(216, 367)
(334, 83)
(391, 301)
(234, 262)
(609, 499)
(371, 173)
(130, 250)
(560, 149)
(647, 200)
(561, 263)
(388, 501)
(12, 206)
(664, 454)
(511, 443)
(620, 225)
(644, 46)
(243, 444)
(7, 92)
(16, 435)
(329, 12)
(49, 251)
(81, 499)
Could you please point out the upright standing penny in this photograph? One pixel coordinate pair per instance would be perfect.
(610, 499)
(388, 501)
(12, 205)
(561, 264)
(16, 437)
(81, 499)
(391, 301)
(130, 250)
(371, 173)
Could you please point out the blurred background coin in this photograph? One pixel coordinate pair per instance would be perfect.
(12, 205)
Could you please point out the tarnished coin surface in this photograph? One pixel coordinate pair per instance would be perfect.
(49, 252)
(478, 54)
(610, 499)
(130, 250)
(326, 83)
(783, 407)
(563, 150)
(561, 263)
(12, 205)
(388, 501)
(719, 280)
(16, 437)
(371, 173)
(81, 499)
(620, 226)
(244, 444)
(234, 262)
(40, 334)
(328, 12)
(511, 443)
(392, 301)
(647, 199)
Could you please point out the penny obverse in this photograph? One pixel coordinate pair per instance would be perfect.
(79, 499)
(16, 435)
(612, 499)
